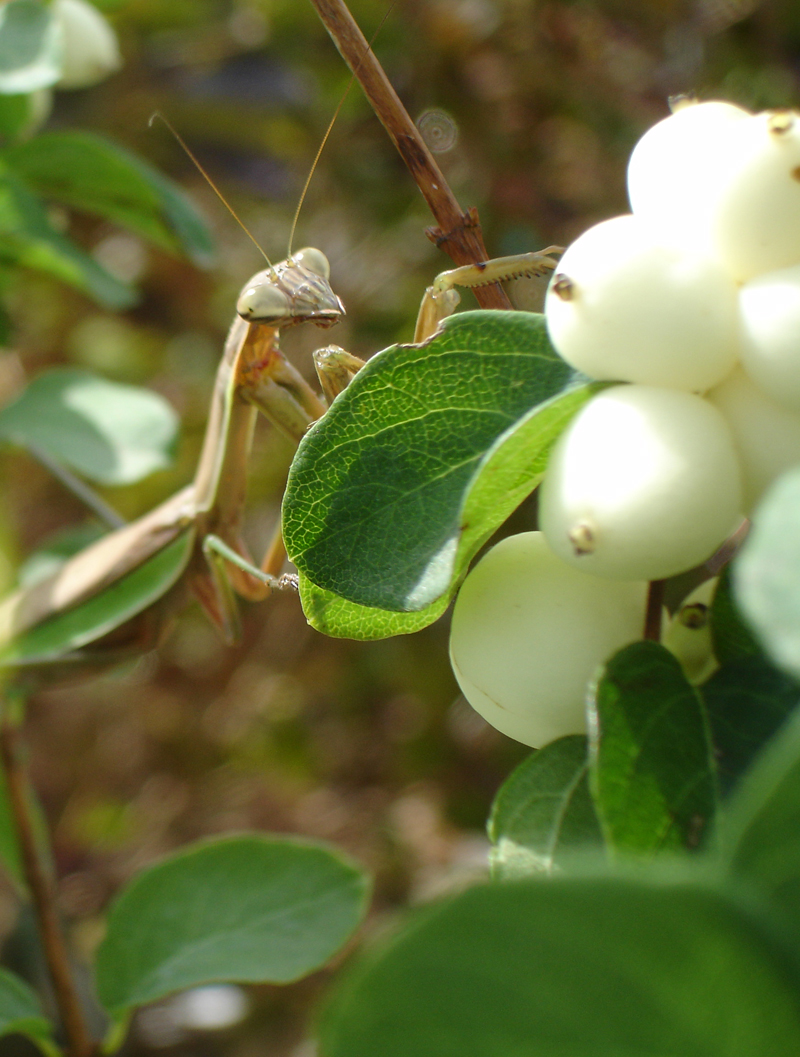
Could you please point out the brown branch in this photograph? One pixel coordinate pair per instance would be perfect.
(458, 233)
(42, 889)
(655, 603)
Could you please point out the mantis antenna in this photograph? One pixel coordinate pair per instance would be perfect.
(158, 115)
(161, 117)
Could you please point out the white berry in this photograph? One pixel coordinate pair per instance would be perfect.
(766, 434)
(623, 307)
(675, 168)
(769, 307)
(90, 47)
(529, 632)
(755, 211)
(643, 484)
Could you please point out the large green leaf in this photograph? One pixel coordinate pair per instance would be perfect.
(761, 833)
(73, 629)
(28, 238)
(21, 1012)
(544, 810)
(767, 573)
(747, 701)
(248, 909)
(652, 773)
(591, 966)
(88, 172)
(111, 433)
(30, 46)
(428, 450)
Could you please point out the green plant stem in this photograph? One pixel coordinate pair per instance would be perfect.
(458, 233)
(40, 882)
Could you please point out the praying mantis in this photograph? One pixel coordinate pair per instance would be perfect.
(112, 598)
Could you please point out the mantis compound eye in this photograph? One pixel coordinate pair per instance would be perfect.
(262, 301)
(315, 260)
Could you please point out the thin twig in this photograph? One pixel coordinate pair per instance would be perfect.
(655, 603)
(458, 233)
(40, 883)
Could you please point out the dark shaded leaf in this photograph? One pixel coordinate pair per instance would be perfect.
(652, 773)
(732, 638)
(748, 700)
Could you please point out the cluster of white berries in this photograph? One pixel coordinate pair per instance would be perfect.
(693, 300)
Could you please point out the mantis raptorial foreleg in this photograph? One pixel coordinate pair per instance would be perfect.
(441, 298)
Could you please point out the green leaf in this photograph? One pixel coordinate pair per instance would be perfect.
(10, 855)
(591, 966)
(423, 456)
(247, 909)
(111, 433)
(335, 616)
(88, 172)
(761, 833)
(48, 642)
(30, 47)
(767, 573)
(732, 638)
(28, 239)
(747, 702)
(543, 810)
(21, 1012)
(17, 112)
(652, 774)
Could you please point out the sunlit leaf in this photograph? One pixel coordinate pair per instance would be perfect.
(30, 46)
(423, 456)
(544, 810)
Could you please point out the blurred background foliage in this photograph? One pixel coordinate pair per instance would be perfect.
(533, 106)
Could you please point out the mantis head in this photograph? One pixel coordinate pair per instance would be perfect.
(293, 291)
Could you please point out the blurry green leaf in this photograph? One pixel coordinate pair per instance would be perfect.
(732, 638)
(27, 238)
(242, 909)
(766, 574)
(760, 832)
(16, 113)
(30, 46)
(652, 774)
(591, 966)
(46, 643)
(111, 433)
(423, 456)
(21, 1012)
(91, 173)
(543, 809)
(747, 701)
